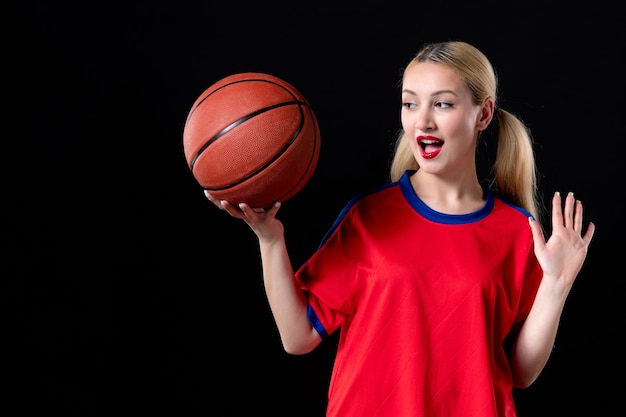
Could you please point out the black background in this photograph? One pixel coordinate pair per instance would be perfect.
(124, 292)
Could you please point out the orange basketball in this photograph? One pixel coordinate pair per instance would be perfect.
(252, 138)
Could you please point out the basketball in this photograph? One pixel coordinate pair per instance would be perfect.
(251, 138)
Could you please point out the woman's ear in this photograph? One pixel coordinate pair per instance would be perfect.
(486, 114)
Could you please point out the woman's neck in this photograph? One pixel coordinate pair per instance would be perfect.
(459, 195)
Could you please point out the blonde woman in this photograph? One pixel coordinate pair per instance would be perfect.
(444, 289)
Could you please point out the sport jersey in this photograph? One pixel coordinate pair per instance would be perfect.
(425, 303)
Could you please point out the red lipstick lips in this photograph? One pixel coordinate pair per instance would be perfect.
(429, 146)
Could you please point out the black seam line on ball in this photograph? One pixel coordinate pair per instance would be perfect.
(278, 154)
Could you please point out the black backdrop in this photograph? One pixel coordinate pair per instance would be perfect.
(123, 292)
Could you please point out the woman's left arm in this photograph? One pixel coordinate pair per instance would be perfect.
(561, 257)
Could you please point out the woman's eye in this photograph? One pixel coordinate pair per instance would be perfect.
(443, 104)
(408, 105)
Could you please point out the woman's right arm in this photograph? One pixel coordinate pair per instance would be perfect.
(287, 301)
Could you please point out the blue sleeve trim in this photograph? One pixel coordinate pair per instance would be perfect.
(521, 210)
(315, 322)
(351, 203)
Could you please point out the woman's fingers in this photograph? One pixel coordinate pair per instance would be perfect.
(569, 210)
(578, 217)
(570, 216)
(557, 211)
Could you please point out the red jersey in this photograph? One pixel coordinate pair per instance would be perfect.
(425, 303)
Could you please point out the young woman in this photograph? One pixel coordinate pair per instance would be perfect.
(443, 287)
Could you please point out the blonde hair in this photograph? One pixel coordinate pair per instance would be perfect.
(513, 175)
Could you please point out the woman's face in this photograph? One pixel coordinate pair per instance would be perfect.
(440, 119)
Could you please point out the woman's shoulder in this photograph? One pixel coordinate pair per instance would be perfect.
(515, 211)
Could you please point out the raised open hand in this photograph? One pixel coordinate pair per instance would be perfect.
(563, 254)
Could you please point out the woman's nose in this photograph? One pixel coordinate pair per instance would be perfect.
(424, 120)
